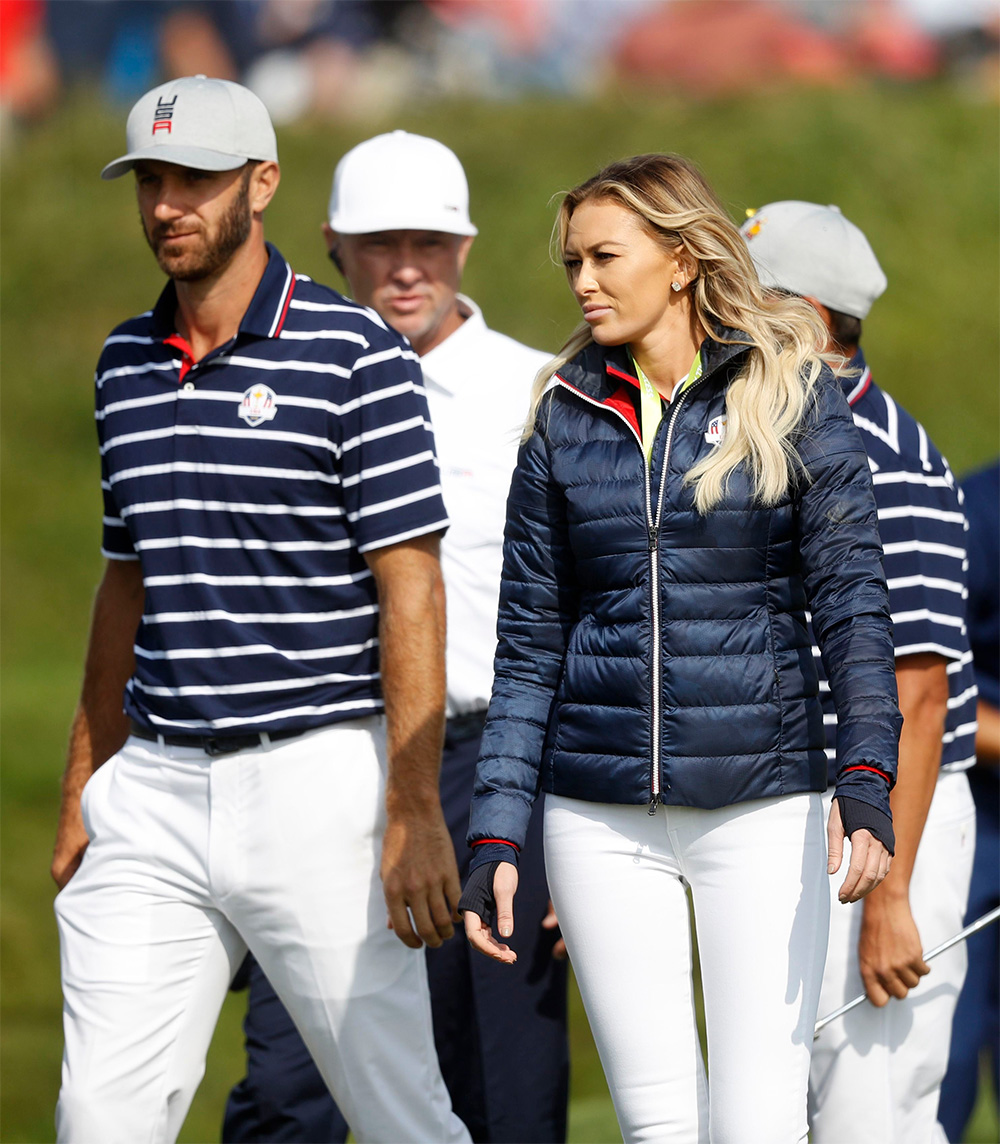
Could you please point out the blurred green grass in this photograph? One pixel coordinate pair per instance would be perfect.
(916, 168)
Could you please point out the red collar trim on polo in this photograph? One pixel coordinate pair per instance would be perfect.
(187, 354)
(285, 303)
(864, 384)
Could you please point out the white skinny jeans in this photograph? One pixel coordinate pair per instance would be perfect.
(191, 861)
(757, 872)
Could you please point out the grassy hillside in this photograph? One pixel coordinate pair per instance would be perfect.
(916, 169)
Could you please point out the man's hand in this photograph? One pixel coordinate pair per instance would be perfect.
(420, 877)
(869, 864)
(479, 934)
(889, 951)
(71, 841)
(419, 872)
(551, 922)
(99, 726)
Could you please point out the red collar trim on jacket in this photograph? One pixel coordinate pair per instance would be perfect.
(619, 402)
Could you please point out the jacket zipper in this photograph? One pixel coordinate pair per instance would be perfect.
(654, 579)
(653, 527)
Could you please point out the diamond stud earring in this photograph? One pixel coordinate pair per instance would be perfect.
(676, 287)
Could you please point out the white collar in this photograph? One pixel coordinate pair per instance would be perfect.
(455, 351)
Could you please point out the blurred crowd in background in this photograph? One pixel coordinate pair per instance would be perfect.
(351, 59)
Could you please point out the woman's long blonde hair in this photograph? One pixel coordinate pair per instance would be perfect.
(767, 400)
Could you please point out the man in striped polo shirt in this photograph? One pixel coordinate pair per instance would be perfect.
(877, 1072)
(272, 610)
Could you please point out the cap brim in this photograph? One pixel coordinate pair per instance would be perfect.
(376, 223)
(199, 158)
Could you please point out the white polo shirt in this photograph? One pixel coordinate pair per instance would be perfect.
(478, 386)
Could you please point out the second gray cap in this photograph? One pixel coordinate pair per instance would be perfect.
(813, 250)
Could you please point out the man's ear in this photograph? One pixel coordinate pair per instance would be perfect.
(331, 238)
(463, 252)
(820, 309)
(263, 183)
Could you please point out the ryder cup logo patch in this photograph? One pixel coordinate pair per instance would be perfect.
(260, 403)
(716, 432)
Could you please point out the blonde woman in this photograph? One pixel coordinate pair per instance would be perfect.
(690, 485)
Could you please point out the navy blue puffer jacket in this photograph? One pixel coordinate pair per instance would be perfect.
(653, 654)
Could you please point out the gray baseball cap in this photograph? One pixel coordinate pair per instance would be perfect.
(207, 124)
(813, 250)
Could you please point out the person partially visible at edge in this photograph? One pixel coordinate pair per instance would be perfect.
(399, 230)
(975, 1034)
(689, 486)
(272, 615)
(876, 1072)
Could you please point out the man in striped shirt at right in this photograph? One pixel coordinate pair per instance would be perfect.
(876, 1073)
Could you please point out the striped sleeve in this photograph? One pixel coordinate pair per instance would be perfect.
(925, 543)
(923, 539)
(391, 483)
(116, 544)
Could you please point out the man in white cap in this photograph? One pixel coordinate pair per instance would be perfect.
(876, 1073)
(399, 230)
(272, 613)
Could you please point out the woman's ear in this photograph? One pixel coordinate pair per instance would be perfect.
(687, 266)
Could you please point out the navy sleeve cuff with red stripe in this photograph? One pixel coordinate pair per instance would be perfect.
(492, 850)
(863, 793)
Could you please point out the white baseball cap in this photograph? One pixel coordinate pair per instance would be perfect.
(207, 124)
(400, 181)
(813, 250)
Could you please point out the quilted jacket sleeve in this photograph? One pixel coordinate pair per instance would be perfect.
(842, 569)
(538, 607)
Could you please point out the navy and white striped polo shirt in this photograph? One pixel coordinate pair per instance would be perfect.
(249, 485)
(923, 531)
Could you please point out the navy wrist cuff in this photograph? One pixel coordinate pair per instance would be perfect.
(492, 852)
(858, 815)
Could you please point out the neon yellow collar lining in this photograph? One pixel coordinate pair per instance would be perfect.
(651, 403)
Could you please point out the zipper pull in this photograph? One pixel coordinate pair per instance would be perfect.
(653, 803)
(654, 537)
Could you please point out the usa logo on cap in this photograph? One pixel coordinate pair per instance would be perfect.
(259, 404)
(163, 114)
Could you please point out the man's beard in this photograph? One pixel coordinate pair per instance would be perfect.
(234, 230)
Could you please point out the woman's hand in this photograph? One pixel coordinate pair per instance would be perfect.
(870, 860)
(480, 935)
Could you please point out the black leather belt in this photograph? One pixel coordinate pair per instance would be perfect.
(214, 744)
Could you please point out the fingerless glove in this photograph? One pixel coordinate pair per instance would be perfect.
(858, 815)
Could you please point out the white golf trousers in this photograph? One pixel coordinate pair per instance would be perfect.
(757, 873)
(193, 859)
(876, 1073)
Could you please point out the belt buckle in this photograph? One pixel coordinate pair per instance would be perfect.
(215, 746)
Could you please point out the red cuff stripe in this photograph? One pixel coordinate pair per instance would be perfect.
(862, 767)
(502, 841)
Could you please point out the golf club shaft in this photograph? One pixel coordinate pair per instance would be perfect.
(970, 929)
